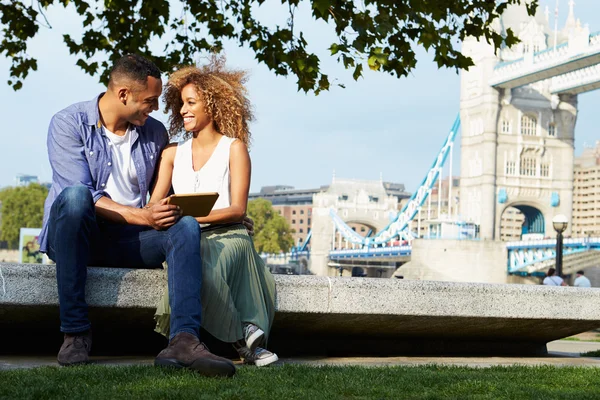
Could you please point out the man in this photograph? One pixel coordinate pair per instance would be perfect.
(103, 154)
(581, 280)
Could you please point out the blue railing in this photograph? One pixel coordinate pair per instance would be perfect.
(371, 252)
(524, 254)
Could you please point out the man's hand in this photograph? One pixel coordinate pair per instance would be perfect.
(249, 225)
(161, 215)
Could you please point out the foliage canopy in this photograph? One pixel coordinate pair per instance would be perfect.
(380, 34)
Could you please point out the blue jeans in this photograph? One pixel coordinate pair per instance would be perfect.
(77, 239)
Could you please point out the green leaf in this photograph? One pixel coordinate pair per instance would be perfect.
(357, 72)
(321, 7)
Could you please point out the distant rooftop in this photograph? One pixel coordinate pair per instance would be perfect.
(288, 195)
(590, 156)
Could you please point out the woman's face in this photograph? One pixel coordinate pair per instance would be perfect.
(194, 117)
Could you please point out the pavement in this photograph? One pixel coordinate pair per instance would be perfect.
(562, 353)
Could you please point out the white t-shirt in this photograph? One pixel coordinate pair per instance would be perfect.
(122, 184)
(553, 280)
(582, 281)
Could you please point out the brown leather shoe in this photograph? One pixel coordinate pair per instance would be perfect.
(186, 351)
(75, 349)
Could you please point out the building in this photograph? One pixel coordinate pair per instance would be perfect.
(436, 205)
(24, 180)
(586, 193)
(295, 205)
(436, 209)
(368, 204)
(517, 141)
(511, 225)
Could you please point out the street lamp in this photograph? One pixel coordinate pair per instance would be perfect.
(559, 223)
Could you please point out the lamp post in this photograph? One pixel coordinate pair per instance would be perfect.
(559, 223)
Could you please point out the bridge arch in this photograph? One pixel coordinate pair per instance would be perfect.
(520, 218)
(361, 223)
(363, 227)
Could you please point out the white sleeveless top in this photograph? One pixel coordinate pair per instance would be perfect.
(212, 177)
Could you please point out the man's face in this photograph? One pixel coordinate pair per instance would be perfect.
(142, 101)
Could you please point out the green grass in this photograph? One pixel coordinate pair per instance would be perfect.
(576, 339)
(595, 353)
(303, 382)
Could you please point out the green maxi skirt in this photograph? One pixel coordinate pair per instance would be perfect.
(237, 287)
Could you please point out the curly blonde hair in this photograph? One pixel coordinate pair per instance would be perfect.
(224, 95)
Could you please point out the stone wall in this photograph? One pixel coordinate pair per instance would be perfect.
(315, 316)
(482, 261)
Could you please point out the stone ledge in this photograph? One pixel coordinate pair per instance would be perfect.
(335, 315)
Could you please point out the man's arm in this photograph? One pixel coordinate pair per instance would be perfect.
(70, 167)
(66, 153)
(159, 216)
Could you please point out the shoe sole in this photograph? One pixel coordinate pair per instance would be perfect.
(213, 368)
(255, 340)
(204, 367)
(266, 361)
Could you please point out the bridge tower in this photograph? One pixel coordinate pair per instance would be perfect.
(517, 143)
(355, 201)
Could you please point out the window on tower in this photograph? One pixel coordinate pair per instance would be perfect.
(528, 125)
(552, 129)
(505, 126)
(528, 166)
(545, 170)
(511, 168)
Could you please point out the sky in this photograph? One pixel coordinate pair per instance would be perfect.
(377, 126)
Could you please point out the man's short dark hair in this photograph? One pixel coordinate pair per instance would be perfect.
(580, 272)
(133, 67)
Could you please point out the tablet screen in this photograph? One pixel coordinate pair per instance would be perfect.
(195, 204)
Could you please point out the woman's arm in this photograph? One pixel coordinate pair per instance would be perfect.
(164, 174)
(239, 171)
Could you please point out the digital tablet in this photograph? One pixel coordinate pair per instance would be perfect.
(194, 204)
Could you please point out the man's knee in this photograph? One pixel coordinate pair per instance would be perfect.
(189, 225)
(75, 201)
(187, 228)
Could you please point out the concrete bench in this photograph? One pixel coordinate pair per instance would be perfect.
(320, 315)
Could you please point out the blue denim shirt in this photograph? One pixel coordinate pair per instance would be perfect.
(79, 154)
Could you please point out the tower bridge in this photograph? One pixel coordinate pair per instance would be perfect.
(518, 110)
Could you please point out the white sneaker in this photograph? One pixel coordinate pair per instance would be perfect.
(253, 336)
(259, 357)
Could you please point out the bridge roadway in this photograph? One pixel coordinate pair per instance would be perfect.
(577, 82)
(392, 253)
(532, 257)
(546, 64)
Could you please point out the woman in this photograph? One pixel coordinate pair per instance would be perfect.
(209, 104)
(552, 279)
